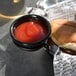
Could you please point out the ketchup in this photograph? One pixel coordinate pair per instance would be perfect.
(30, 32)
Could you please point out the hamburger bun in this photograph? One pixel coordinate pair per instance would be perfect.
(64, 33)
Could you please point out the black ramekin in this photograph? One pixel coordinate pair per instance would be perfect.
(26, 18)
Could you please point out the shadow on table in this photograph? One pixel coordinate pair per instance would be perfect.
(4, 58)
(24, 63)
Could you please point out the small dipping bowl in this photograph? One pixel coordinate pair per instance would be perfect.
(26, 18)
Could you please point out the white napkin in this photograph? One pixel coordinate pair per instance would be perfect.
(62, 10)
(64, 64)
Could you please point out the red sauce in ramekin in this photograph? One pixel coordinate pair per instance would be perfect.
(31, 31)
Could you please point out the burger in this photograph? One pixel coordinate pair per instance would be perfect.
(63, 33)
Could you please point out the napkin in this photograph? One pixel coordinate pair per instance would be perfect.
(64, 64)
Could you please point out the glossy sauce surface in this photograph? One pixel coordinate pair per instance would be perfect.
(30, 32)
